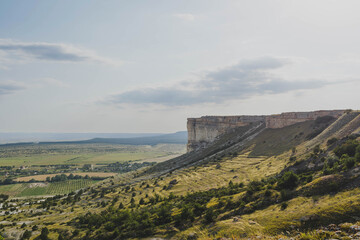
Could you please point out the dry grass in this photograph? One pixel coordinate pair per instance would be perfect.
(238, 169)
(329, 208)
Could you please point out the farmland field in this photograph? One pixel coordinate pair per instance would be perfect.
(83, 174)
(36, 189)
(22, 163)
(79, 154)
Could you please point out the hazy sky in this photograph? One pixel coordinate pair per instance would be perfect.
(146, 66)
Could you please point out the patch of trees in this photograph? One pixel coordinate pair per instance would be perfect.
(350, 147)
(121, 224)
(4, 197)
(123, 167)
(64, 177)
(7, 181)
(158, 212)
(347, 155)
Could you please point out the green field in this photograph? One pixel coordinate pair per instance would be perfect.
(32, 189)
(79, 159)
(82, 154)
(39, 160)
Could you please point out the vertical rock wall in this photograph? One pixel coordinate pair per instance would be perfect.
(286, 119)
(203, 130)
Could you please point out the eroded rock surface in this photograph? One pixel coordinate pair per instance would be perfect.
(204, 130)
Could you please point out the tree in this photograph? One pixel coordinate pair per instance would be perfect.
(26, 235)
(349, 148)
(289, 180)
(44, 234)
(317, 149)
(164, 214)
(209, 216)
(187, 214)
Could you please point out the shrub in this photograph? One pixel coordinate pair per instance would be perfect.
(331, 141)
(285, 195)
(26, 235)
(349, 162)
(288, 181)
(317, 149)
(254, 186)
(209, 216)
(283, 205)
(349, 148)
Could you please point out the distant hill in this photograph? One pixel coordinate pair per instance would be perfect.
(172, 138)
(17, 137)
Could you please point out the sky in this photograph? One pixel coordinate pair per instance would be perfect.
(147, 66)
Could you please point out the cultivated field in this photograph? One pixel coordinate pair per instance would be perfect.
(36, 189)
(79, 154)
(83, 174)
(23, 163)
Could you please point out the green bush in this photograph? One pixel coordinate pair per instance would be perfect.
(331, 141)
(347, 161)
(288, 181)
(283, 205)
(349, 148)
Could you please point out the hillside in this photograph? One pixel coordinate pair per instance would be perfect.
(298, 181)
(173, 138)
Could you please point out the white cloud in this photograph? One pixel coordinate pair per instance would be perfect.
(237, 82)
(11, 50)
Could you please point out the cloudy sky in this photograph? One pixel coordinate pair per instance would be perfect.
(146, 66)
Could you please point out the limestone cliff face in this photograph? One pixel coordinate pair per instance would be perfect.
(286, 119)
(203, 130)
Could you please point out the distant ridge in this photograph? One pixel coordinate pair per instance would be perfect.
(17, 137)
(171, 138)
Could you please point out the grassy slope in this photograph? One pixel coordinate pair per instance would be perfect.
(341, 207)
(246, 166)
(276, 141)
(238, 169)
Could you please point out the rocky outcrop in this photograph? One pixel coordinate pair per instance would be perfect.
(286, 119)
(204, 130)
